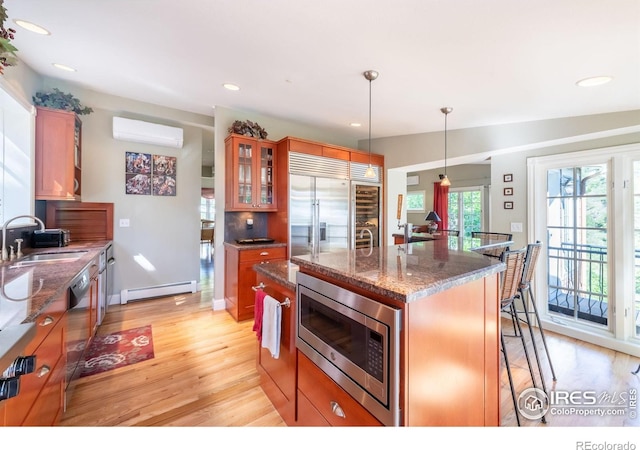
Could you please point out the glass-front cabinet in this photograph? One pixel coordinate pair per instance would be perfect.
(250, 174)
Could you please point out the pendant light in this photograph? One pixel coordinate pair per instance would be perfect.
(370, 75)
(445, 179)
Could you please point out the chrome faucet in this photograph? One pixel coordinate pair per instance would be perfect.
(5, 255)
(370, 236)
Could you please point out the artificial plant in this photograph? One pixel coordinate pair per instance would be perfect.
(7, 49)
(57, 99)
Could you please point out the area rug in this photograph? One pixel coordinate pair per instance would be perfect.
(118, 350)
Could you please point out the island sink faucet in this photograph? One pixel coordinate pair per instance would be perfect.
(5, 254)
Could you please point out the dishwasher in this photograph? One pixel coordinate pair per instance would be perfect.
(78, 328)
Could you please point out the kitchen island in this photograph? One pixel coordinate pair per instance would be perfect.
(449, 362)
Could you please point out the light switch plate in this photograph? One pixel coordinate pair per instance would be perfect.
(124, 222)
(516, 227)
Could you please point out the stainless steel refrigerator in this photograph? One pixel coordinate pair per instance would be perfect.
(318, 214)
(330, 204)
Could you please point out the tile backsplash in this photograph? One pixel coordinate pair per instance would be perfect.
(236, 225)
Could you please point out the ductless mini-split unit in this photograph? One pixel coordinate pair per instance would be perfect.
(147, 132)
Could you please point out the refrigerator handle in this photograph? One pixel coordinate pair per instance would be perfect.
(315, 227)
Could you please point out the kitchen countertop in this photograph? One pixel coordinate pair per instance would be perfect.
(406, 272)
(49, 280)
(254, 246)
(282, 272)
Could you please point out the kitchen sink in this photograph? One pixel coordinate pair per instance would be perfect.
(40, 258)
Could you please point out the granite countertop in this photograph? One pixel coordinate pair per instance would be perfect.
(282, 272)
(55, 277)
(254, 246)
(405, 273)
(49, 280)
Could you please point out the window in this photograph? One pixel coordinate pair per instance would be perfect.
(465, 212)
(415, 201)
(586, 212)
(207, 208)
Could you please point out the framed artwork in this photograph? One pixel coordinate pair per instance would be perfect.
(508, 191)
(164, 175)
(507, 177)
(147, 174)
(137, 173)
(508, 205)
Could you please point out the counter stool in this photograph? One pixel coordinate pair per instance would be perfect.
(510, 282)
(530, 260)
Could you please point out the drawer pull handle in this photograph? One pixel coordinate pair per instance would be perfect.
(43, 371)
(264, 254)
(46, 321)
(337, 410)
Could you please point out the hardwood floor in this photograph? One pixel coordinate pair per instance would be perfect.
(204, 373)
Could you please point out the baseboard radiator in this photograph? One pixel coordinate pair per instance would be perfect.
(127, 295)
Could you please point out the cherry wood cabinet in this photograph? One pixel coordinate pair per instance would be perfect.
(250, 174)
(58, 155)
(321, 401)
(40, 400)
(240, 277)
(278, 376)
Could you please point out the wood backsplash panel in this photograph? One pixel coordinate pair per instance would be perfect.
(86, 221)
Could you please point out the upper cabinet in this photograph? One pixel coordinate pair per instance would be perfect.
(250, 174)
(58, 155)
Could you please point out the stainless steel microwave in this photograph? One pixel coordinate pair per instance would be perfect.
(353, 339)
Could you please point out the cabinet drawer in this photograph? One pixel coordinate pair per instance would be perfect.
(329, 398)
(308, 415)
(46, 321)
(47, 410)
(48, 354)
(263, 254)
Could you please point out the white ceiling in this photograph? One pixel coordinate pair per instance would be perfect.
(493, 61)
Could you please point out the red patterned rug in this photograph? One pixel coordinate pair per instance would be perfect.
(118, 350)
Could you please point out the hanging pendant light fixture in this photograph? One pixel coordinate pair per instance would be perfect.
(443, 177)
(370, 75)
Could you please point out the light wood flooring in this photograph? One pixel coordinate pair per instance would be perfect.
(204, 373)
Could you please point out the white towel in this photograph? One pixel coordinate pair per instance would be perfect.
(271, 317)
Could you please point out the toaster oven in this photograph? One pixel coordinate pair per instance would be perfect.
(52, 237)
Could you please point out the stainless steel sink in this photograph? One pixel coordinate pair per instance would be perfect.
(40, 258)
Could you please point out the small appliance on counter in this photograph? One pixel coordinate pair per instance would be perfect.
(51, 237)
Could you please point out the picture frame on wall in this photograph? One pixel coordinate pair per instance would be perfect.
(507, 191)
(507, 177)
(508, 205)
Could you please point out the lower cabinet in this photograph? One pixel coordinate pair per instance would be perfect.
(240, 277)
(40, 400)
(322, 402)
(278, 376)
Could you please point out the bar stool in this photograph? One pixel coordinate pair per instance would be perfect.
(488, 235)
(510, 282)
(530, 260)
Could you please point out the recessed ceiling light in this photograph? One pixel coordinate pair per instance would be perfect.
(355, 124)
(594, 81)
(31, 26)
(63, 67)
(231, 87)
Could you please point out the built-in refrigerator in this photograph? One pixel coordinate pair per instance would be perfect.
(319, 214)
(330, 209)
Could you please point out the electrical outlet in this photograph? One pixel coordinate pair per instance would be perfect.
(516, 227)
(124, 222)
